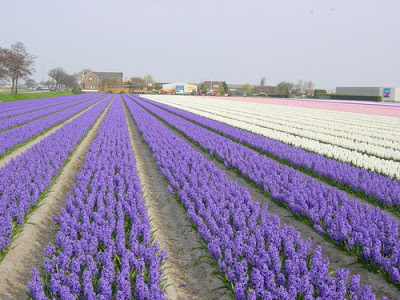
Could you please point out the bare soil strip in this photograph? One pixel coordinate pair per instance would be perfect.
(337, 257)
(27, 249)
(189, 278)
(37, 140)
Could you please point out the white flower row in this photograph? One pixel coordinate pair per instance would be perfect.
(366, 127)
(369, 125)
(369, 162)
(381, 148)
(363, 132)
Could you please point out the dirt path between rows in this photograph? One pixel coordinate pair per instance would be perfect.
(189, 278)
(39, 230)
(337, 257)
(37, 140)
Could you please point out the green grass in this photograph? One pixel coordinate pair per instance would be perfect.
(28, 96)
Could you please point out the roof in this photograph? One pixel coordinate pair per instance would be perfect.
(235, 86)
(101, 75)
(264, 88)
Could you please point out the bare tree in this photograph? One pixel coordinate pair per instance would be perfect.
(59, 75)
(3, 70)
(70, 81)
(110, 82)
(299, 86)
(308, 85)
(262, 82)
(148, 79)
(30, 83)
(16, 63)
(137, 82)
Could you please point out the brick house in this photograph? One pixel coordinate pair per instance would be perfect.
(100, 81)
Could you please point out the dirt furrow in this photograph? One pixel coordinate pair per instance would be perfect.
(337, 257)
(189, 278)
(37, 140)
(39, 230)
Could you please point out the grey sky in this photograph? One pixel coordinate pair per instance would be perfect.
(331, 42)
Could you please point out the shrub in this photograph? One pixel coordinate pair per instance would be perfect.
(77, 90)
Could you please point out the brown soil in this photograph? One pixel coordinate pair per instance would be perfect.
(37, 140)
(189, 278)
(337, 257)
(39, 230)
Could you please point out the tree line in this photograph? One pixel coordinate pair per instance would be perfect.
(287, 88)
(15, 64)
(62, 79)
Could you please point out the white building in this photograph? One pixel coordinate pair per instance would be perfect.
(387, 93)
(180, 88)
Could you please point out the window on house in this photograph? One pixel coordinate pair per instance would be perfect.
(90, 78)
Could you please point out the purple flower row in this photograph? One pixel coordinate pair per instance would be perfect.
(19, 107)
(25, 178)
(11, 138)
(103, 247)
(383, 189)
(365, 231)
(24, 118)
(261, 258)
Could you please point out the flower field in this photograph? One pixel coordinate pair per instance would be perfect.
(186, 197)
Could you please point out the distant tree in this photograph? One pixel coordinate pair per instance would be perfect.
(16, 63)
(58, 75)
(70, 81)
(262, 82)
(225, 85)
(3, 71)
(137, 82)
(308, 85)
(320, 91)
(47, 82)
(247, 88)
(30, 83)
(203, 88)
(299, 86)
(156, 86)
(284, 88)
(148, 79)
(110, 82)
(221, 89)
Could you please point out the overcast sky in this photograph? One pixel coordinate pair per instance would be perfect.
(331, 42)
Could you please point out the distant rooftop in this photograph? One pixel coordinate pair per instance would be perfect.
(109, 74)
